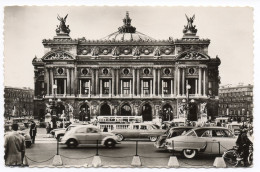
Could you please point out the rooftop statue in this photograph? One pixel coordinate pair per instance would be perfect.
(62, 28)
(190, 29)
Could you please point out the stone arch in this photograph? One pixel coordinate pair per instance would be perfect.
(126, 103)
(147, 111)
(105, 109)
(167, 112)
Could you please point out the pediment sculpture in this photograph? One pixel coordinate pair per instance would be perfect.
(58, 56)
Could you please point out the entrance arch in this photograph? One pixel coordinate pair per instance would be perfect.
(193, 112)
(105, 110)
(84, 114)
(126, 110)
(147, 112)
(167, 113)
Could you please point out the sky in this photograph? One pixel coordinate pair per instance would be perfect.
(230, 30)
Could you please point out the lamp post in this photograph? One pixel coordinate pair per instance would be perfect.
(54, 106)
(188, 87)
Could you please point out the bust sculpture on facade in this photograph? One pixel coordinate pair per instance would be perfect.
(62, 28)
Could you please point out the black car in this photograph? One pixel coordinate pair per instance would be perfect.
(171, 132)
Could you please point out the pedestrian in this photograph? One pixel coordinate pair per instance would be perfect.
(14, 148)
(243, 144)
(33, 131)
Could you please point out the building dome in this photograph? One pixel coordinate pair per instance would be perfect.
(127, 33)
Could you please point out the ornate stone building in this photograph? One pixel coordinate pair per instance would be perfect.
(236, 102)
(128, 73)
(18, 102)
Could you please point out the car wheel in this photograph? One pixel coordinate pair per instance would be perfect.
(153, 138)
(189, 153)
(120, 137)
(110, 143)
(230, 157)
(72, 143)
(28, 144)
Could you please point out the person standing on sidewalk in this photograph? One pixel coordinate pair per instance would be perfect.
(14, 148)
(33, 131)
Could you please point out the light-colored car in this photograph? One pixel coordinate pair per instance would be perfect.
(171, 132)
(234, 127)
(58, 133)
(205, 140)
(139, 130)
(89, 134)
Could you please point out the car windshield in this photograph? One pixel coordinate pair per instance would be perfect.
(155, 127)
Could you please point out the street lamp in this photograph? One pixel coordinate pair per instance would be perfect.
(188, 87)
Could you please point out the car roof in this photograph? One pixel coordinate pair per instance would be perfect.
(86, 126)
(183, 127)
(210, 128)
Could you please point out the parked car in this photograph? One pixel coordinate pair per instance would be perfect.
(171, 132)
(235, 128)
(205, 140)
(89, 134)
(139, 130)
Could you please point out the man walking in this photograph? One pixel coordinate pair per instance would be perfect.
(14, 148)
(33, 131)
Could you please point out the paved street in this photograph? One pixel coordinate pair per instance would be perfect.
(121, 155)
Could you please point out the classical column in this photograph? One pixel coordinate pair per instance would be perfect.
(142, 91)
(171, 87)
(133, 92)
(75, 79)
(196, 86)
(183, 81)
(80, 85)
(68, 81)
(138, 81)
(65, 87)
(52, 80)
(117, 81)
(97, 82)
(113, 82)
(199, 82)
(93, 91)
(159, 81)
(100, 87)
(121, 87)
(204, 82)
(47, 81)
(154, 81)
(178, 82)
(110, 87)
(151, 82)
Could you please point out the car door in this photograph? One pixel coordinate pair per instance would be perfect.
(145, 131)
(81, 134)
(134, 132)
(93, 136)
(207, 136)
(224, 140)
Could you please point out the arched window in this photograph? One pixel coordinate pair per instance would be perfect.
(126, 110)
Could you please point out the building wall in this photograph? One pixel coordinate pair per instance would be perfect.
(18, 102)
(236, 102)
(135, 65)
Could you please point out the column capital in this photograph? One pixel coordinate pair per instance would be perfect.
(157, 67)
(203, 66)
(94, 67)
(115, 67)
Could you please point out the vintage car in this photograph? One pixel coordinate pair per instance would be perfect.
(139, 130)
(89, 134)
(235, 128)
(171, 132)
(206, 140)
(58, 133)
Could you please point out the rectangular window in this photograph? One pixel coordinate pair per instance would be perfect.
(126, 87)
(191, 82)
(61, 85)
(85, 88)
(105, 86)
(166, 84)
(146, 87)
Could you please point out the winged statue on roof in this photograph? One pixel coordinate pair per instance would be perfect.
(62, 28)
